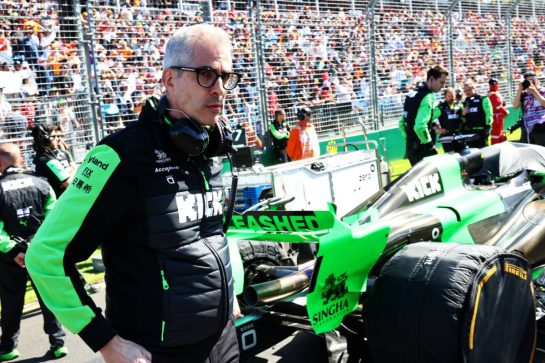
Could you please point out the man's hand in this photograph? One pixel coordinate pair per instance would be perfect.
(20, 259)
(119, 350)
(533, 90)
(236, 309)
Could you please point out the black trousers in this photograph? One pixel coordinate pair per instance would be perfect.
(416, 152)
(12, 298)
(225, 350)
(281, 155)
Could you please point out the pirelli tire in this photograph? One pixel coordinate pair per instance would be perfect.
(255, 253)
(446, 302)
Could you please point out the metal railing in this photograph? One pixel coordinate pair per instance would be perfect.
(90, 67)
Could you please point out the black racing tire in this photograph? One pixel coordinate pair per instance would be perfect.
(451, 303)
(255, 253)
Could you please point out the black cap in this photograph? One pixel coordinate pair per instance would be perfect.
(493, 82)
(303, 112)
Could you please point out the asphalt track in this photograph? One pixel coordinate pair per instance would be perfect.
(299, 347)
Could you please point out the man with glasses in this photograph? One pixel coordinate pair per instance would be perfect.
(49, 162)
(151, 195)
(532, 99)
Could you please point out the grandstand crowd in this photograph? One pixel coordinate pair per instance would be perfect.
(308, 57)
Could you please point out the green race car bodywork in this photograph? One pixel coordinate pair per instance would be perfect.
(463, 199)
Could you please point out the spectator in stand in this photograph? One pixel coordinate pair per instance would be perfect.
(6, 54)
(450, 118)
(15, 124)
(68, 120)
(478, 115)
(280, 133)
(531, 97)
(303, 140)
(418, 113)
(5, 106)
(500, 111)
(27, 88)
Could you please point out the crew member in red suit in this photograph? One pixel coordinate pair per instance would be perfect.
(500, 111)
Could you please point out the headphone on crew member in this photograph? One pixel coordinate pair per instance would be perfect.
(193, 138)
(302, 112)
(41, 136)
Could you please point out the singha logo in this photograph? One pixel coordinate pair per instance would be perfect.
(334, 288)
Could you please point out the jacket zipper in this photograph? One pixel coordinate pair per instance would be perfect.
(165, 288)
(224, 287)
(223, 274)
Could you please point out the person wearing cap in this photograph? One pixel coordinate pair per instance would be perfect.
(419, 111)
(499, 110)
(477, 115)
(531, 97)
(303, 140)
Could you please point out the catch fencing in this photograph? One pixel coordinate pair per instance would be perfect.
(88, 67)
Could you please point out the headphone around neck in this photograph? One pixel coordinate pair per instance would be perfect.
(194, 139)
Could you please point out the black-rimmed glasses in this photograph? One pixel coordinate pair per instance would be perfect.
(207, 77)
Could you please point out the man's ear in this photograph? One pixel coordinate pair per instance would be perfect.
(168, 79)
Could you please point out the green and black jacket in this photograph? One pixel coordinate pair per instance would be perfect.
(25, 200)
(52, 165)
(480, 113)
(280, 133)
(158, 216)
(418, 113)
(451, 117)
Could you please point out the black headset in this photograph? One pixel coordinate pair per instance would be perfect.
(302, 112)
(194, 139)
(41, 136)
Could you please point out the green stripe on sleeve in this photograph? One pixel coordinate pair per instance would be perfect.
(6, 244)
(50, 202)
(58, 170)
(44, 258)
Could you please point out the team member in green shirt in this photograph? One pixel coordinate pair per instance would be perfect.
(419, 111)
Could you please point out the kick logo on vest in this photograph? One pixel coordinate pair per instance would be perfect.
(192, 207)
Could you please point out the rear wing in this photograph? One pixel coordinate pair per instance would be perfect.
(345, 256)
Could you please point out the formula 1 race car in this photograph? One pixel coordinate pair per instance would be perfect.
(379, 273)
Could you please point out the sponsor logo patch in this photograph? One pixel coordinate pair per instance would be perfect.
(161, 157)
(425, 186)
(333, 295)
(192, 207)
(515, 270)
(17, 184)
